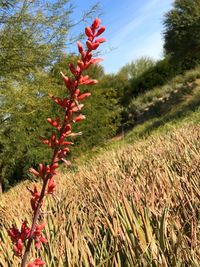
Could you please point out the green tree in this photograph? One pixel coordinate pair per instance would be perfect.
(182, 29)
(136, 68)
(32, 37)
(132, 72)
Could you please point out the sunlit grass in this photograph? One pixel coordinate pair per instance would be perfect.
(134, 206)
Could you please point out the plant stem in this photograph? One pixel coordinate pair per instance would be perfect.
(42, 195)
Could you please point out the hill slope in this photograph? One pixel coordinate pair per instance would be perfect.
(136, 204)
(133, 206)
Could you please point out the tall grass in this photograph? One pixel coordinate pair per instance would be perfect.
(136, 206)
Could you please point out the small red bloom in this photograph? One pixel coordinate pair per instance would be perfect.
(39, 239)
(14, 233)
(74, 70)
(18, 247)
(25, 231)
(65, 103)
(79, 118)
(88, 58)
(51, 186)
(80, 47)
(88, 32)
(83, 96)
(96, 23)
(100, 31)
(55, 123)
(85, 80)
(66, 80)
(38, 229)
(18, 237)
(92, 46)
(37, 262)
(100, 40)
(35, 197)
(80, 64)
(95, 60)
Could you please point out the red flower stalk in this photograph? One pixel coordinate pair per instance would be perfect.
(57, 142)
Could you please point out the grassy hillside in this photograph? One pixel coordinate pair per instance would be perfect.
(137, 204)
(169, 106)
(159, 110)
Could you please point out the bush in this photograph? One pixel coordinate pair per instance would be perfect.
(155, 76)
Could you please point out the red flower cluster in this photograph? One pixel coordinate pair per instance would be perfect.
(70, 104)
(57, 142)
(39, 239)
(18, 237)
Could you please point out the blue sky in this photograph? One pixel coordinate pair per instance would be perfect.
(133, 29)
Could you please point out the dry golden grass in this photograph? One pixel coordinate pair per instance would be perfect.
(134, 206)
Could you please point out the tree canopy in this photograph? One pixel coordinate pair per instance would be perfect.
(182, 29)
(33, 35)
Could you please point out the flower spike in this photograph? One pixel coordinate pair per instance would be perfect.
(22, 239)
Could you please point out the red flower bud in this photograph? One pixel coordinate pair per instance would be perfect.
(85, 80)
(38, 229)
(76, 93)
(83, 96)
(77, 108)
(96, 23)
(95, 46)
(89, 56)
(100, 40)
(96, 60)
(100, 31)
(74, 70)
(80, 47)
(37, 262)
(92, 46)
(89, 45)
(66, 79)
(51, 186)
(35, 197)
(33, 171)
(79, 118)
(18, 248)
(41, 168)
(83, 54)
(81, 64)
(54, 166)
(14, 233)
(88, 32)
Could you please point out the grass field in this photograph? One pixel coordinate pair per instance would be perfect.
(133, 202)
(134, 206)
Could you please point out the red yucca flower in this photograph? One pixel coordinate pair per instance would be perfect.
(58, 143)
(35, 263)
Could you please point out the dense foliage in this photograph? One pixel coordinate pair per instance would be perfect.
(182, 30)
(154, 75)
(33, 37)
